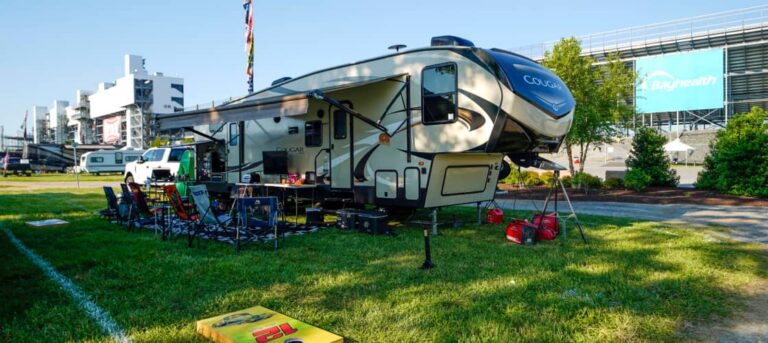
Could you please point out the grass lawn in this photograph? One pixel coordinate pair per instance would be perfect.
(635, 281)
(55, 177)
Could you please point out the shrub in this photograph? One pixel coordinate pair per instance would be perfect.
(531, 178)
(547, 178)
(738, 159)
(613, 183)
(648, 155)
(637, 180)
(514, 175)
(567, 181)
(587, 181)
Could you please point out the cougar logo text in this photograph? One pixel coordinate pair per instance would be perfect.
(532, 80)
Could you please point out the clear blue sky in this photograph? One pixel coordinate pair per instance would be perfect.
(49, 49)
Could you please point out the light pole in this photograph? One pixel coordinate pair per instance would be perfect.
(77, 164)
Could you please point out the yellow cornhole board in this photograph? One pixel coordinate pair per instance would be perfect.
(261, 325)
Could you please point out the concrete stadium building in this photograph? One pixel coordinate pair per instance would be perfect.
(694, 74)
(118, 113)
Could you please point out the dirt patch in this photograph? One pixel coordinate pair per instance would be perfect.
(651, 196)
(748, 325)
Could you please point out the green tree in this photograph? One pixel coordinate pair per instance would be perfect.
(648, 156)
(738, 159)
(599, 92)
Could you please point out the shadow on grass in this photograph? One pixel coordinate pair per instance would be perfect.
(634, 280)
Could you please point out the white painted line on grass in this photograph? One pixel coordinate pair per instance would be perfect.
(99, 315)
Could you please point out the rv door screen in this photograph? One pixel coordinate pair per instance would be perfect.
(439, 93)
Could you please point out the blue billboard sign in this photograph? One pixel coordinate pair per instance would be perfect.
(680, 82)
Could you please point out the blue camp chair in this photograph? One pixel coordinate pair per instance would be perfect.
(250, 228)
(112, 210)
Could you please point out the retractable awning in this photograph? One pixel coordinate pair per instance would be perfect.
(259, 106)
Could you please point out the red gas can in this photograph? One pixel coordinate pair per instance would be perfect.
(494, 216)
(521, 232)
(549, 228)
(549, 221)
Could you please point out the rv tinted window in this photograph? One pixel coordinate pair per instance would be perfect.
(97, 159)
(233, 134)
(313, 133)
(339, 124)
(438, 94)
(119, 157)
(130, 158)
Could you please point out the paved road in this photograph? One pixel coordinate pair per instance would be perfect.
(747, 223)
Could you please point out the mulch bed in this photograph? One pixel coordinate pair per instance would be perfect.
(659, 195)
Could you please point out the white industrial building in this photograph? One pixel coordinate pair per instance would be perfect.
(117, 113)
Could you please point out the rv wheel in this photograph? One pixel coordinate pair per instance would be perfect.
(129, 179)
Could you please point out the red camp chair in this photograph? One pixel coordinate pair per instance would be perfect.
(184, 212)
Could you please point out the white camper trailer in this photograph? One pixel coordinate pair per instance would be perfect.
(107, 161)
(418, 128)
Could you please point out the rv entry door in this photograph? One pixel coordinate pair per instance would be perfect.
(341, 150)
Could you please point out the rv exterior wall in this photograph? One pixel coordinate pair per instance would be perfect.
(448, 161)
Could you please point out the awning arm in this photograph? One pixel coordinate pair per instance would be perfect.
(319, 95)
(205, 135)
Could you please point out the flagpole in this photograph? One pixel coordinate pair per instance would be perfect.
(248, 5)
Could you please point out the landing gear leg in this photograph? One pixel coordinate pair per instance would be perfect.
(427, 253)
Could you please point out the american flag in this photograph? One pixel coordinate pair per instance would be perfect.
(248, 6)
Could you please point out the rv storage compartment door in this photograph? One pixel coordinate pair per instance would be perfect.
(462, 178)
(386, 184)
(412, 183)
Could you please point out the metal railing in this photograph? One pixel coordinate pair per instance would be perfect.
(210, 104)
(673, 30)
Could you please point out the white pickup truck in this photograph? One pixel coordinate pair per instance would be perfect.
(155, 163)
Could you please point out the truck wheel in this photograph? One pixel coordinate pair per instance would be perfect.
(129, 179)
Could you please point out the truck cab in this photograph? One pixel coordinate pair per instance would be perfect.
(17, 166)
(154, 164)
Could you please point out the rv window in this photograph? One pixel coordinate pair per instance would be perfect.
(97, 159)
(119, 158)
(438, 94)
(130, 158)
(234, 130)
(313, 133)
(339, 124)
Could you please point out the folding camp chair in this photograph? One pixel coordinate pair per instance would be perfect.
(126, 208)
(145, 214)
(267, 205)
(112, 211)
(184, 212)
(213, 224)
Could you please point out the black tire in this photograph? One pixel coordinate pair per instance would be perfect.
(129, 179)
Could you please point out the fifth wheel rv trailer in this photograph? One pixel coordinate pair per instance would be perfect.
(419, 128)
(108, 161)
